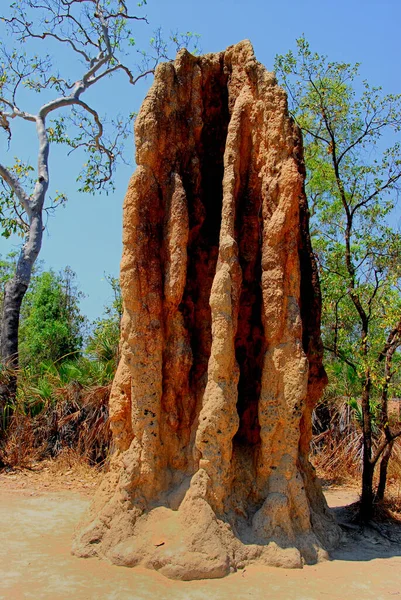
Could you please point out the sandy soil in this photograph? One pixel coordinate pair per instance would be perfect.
(38, 518)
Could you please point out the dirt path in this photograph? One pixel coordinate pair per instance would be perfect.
(35, 562)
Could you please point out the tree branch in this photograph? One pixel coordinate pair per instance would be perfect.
(16, 112)
(385, 442)
(393, 339)
(30, 34)
(16, 187)
(340, 355)
(384, 187)
(124, 15)
(133, 80)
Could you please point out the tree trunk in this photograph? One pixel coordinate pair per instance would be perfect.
(366, 506)
(14, 294)
(391, 346)
(383, 471)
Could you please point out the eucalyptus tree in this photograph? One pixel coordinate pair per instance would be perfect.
(352, 152)
(97, 35)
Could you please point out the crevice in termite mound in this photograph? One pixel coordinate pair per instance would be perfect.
(203, 184)
(193, 193)
(250, 347)
(249, 340)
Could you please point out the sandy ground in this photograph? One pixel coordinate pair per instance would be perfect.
(37, 523)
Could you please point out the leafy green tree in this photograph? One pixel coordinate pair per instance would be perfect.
(51, 333)
(352, 154)
(52, 327)
(98, 36)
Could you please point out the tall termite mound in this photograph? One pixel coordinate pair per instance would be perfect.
(220, 349)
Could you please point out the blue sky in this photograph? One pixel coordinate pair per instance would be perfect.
(86, 234)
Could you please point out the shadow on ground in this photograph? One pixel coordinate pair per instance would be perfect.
(368, 542)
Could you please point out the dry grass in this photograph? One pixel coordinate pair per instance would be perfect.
(20, 448)
(75, 421)
(336, 454)
(68, 471)
(393, 491)
(74, 429)
(70, 461)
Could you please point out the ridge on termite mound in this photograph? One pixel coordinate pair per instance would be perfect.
(220, 346)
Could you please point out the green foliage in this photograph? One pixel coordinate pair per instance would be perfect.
(45, 385)
(352, 155)
(103, 344)
(63, 405)
(52, 364)
(7, 270)
(99, 41)
(353, 160)
(51, 340)
(62, 393)
(51, 324)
